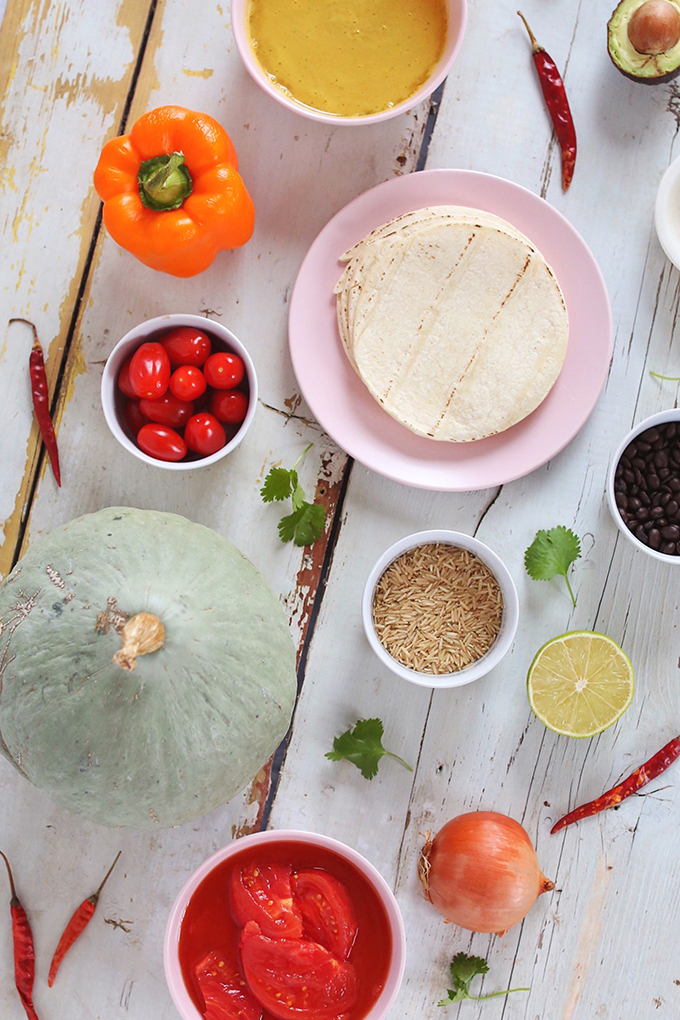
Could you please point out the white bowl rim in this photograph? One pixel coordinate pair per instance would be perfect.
(660, 418)
(238, 8)
(173, 974)
(509, 623)
(664, 217)
(136, 336)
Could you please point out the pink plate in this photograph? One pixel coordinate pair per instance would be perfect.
(344, 407)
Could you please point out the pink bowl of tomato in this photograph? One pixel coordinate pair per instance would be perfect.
(285, 926)
(179, 391)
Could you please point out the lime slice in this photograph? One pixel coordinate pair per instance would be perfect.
(580, 683)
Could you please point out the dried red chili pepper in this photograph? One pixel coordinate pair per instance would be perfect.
(79, 921)
(556, 100)
(41, 401)
(24, 953)
(637, 779)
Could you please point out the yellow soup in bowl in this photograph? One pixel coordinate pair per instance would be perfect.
(351, 58)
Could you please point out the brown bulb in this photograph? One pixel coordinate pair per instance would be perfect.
(655, 27)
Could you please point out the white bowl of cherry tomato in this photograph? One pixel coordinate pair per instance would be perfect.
(285, 925)
(179, 391)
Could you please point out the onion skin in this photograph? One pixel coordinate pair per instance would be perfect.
(481, 872)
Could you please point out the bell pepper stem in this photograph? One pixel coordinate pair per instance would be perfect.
(164, 182)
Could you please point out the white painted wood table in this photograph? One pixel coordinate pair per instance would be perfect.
(605, 943)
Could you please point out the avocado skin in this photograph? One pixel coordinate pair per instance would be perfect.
(658, 79)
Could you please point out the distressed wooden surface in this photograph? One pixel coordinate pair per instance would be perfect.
(603, 944)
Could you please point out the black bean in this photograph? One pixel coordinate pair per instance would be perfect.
(656, 499)
(639, 478)
(622, 500)
(674, 484)
(632, 524)
(628, 476)
(624, 516)
(661, 523)
(620, 485)
(665, 497)
(654, 538)
(634, 503)
(644, 496)
(661, 459)
(642, 514)
(641, 535)
(671, 429)
(671, 508)
(659, 443)
(630, 450)
(642, 447)
(648, 525)
(664, 474)
(633, 490)
(668, 548)
(651, 435)
(639, 463)
(653, 482)
(671, 533)
(656, 511)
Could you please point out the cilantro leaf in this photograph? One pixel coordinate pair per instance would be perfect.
(278, 484)
(363, 747)
(298, 494)
(304, 525)
(552, 552)
(463, 969)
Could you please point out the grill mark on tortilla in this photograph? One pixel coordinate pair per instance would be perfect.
(507, 297)
(428, 312)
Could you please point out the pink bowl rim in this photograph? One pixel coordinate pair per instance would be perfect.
(173, 973)
(132, 339)
(457, 10)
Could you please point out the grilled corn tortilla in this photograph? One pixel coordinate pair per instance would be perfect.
(453, 320)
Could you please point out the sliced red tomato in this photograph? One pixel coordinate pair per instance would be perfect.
(262, 893)
(224, 991)
(186, 346)
(295, 979)
(326, 908)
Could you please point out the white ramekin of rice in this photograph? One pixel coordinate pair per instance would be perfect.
(509, 611)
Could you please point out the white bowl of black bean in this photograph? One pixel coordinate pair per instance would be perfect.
(643, 486)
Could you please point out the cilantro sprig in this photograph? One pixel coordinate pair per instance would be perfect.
(552, 552)
(463, 969)
(307, 521)
(362, 745)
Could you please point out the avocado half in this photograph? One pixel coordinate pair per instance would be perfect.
(648, 68)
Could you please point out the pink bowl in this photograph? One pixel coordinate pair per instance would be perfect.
(457, 21)
(173, 974)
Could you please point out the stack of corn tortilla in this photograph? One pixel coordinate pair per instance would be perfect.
(453, 320)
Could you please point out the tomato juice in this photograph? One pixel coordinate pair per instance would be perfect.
(208, 924)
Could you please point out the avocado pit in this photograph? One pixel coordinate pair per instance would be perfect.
(654, 27)
(643, 39)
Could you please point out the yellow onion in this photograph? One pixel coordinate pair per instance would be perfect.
(481, 872)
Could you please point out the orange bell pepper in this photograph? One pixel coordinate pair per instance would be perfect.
(172, 193)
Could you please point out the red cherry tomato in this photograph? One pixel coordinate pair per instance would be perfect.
(204, 434)
(224, 992)
(124, 379)
(167, 410)
(149, 371)
(187, 383)
(294, 978)
(133, 416)
(223, 371)
(229, 406)
(161, 442)
(262, 893)
(327, 912)
(186, 346)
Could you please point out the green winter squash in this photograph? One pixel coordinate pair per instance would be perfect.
(146, 668)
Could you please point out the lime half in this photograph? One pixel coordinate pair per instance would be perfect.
(580, 683)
